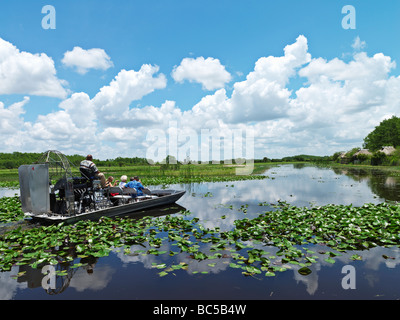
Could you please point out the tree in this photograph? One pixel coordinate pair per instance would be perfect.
(170, 162)
(378, 158)
(387, 133)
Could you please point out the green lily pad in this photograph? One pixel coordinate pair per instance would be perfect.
(304, 271)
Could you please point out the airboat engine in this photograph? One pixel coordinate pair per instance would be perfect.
(67, 196)
(39, 196)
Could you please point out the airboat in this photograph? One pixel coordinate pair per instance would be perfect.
(50, 192)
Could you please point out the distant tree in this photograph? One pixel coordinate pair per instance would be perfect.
(170, 160)
(171, 163)
(387, 133)
(336, 156)
(8, 164)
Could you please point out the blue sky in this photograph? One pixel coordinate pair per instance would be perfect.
(230, 37)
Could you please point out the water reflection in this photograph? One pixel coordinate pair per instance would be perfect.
(92, 278)
(7, 192)
(134, 274)
(382, 184)
(9, 286)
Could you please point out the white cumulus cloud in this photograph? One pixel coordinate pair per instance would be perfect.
(112, 101)
(263, 95)
(10, 118)
(209, 72)
(26, 73)
(83, 60)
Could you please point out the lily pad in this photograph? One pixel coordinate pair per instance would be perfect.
(304, 271)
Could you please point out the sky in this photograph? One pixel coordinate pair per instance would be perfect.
(196, 79)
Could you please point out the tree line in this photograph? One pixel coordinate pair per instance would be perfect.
(16, 159)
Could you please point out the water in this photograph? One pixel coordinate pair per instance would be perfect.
(132, 276)
(6, 192)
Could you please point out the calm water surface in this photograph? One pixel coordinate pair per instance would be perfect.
(131, 276)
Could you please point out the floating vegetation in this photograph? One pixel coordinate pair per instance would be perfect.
(10, 209)
(273, 242)
(9, 184)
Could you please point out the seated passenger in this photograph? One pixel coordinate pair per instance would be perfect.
(89, 170)
(109, 182)
(123, 181)
(136, 184)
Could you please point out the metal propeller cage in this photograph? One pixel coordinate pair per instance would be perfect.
(59, 165)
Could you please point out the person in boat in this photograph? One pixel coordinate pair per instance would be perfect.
(135, 184)
(109, 182)
(90, 171)
(123, 181)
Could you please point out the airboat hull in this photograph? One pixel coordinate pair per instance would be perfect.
(158, 198)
